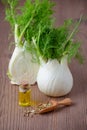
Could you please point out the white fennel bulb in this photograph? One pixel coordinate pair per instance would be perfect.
(21, 68)
(54, 78)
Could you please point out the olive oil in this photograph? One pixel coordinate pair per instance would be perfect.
(24, 96)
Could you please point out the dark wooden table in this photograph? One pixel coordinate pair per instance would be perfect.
(69, 118)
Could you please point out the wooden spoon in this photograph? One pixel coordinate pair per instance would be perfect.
(54, 104)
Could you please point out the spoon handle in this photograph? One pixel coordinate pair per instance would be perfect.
(66, 101)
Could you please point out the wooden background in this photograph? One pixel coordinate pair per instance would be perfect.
(69, 118)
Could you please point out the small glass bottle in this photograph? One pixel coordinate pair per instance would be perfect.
(24, 95)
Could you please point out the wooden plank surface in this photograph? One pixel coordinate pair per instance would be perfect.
(70, 118)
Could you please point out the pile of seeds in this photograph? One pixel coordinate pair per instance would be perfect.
(32, 112)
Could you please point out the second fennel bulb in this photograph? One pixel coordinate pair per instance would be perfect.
(21, 67)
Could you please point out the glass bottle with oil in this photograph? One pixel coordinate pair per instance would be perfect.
(24, 95)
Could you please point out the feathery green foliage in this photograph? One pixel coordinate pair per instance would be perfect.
(37, 33)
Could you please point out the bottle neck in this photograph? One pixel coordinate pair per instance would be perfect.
(23, 88)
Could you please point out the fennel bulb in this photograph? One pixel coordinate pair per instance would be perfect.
(26, 24)
(54, 78)
(21, 67)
